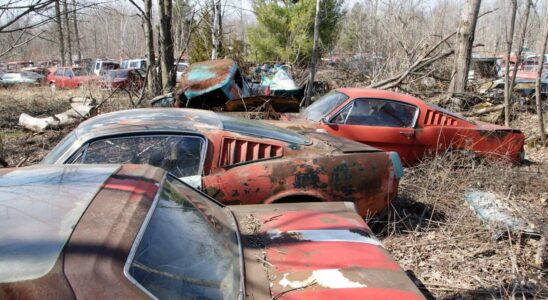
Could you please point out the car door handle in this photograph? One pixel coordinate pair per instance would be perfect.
(408, 134)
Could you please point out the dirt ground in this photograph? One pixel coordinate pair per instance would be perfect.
(431, 231)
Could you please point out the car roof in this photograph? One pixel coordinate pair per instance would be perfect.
(41, 206)
(204, 77)
(147, 120)
(381, 94)
(180, 120)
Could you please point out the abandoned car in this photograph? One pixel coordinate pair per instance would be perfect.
(407, 125)
(69, 77)
(238, 161)
(133, 232)
(219, 85)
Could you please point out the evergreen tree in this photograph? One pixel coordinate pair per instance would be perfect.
(285, 29)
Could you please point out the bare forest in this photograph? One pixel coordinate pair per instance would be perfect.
(482, 62)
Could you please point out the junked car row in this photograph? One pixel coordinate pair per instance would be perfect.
(188, 203)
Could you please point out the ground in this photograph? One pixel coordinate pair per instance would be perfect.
(430, 230)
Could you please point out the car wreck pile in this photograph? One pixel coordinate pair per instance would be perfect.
(176, 201)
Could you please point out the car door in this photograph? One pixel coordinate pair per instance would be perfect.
(181, 155)
(386, 124)
(70, 80)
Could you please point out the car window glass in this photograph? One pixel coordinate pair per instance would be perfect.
(179, 155)
(342, 116)
(134, 64)
(323, 106)
(59, 72)
(68, 73)
(79, 72)
(378, 112)
(189, 249)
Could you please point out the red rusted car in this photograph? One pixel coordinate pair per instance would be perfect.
(123, 79)
(69, 78)
(238, 161)
(404, 124)
(135, 232)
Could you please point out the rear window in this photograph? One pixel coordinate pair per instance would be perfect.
(189, 248)
(262, 130)
(180, 155)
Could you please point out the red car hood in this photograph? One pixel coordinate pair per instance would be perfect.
(316, 251)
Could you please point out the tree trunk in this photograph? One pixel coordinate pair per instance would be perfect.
(60, 32)
(509, 39)
(216, 29)
(310, 86)
(76, 34)
(521, 41)
(463, 53)
(166, 42)
(542, 131)
(67, 26)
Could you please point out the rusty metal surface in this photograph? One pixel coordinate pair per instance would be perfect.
(204, 77)
(319, 251)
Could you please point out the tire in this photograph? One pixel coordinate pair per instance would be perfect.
(53, 87)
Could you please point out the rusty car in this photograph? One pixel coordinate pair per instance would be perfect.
(405, 124)
(137, 232)
(236, 160)
(220, 85)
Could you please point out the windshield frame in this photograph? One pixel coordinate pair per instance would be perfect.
(306, 111)
(135, 245)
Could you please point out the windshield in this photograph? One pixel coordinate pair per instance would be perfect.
(262, 130)
(189, 249)
(117, 74)
(323, 106)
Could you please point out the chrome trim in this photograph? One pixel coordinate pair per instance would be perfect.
(139, 237)
(241, 252)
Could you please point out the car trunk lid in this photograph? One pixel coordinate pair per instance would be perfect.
(316, 250)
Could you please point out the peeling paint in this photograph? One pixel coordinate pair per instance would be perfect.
(327, 235)
(329, 278)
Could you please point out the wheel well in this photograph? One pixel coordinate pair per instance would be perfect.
(298, 198)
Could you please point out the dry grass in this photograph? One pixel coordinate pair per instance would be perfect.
(435, 236)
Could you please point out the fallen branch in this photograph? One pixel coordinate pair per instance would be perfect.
(483, 111)
(420, 63)
(81, 108)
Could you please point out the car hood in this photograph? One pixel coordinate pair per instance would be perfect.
(316, 251)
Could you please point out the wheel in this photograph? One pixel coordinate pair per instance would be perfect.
(53, 87)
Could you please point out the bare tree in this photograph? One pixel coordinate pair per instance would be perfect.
(76, 33)
(60, 32)
(521, 41)
(509, 40)
(541, 129)
(67, 27)
(463, 51)
(314, 58)
(216, 29)
(166, 44)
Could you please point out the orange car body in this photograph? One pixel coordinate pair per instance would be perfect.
(418, 129)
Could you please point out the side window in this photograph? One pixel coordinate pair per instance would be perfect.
(134, 64)
(378, 112)
(59, 72)
(98, 66)
(179, 155)
(69, 73)
(343, 115)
